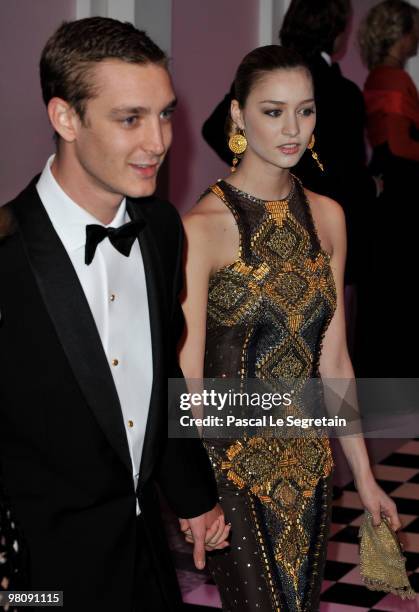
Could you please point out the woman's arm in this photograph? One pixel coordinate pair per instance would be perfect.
(212, 241)
(335, 364)
(194, 303)
(199, 264)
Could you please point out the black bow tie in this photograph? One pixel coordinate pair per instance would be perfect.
(122, 238)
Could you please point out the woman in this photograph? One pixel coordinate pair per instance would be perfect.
(265, 266)
(388, 309)
(320, 37)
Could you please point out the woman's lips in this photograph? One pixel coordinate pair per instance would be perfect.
(290, 149)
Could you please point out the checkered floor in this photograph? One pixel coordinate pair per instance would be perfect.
(342, 589)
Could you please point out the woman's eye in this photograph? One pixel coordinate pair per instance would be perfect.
(273, 113)
(306, 112)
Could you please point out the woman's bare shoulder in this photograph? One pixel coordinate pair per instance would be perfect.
(328, 209)
(211, 230)
(209, 214)
(328, 205)
(329, 219)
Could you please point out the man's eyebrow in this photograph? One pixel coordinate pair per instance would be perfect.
(172, 103)
(279, 102)
(138, 110)
(129, 110)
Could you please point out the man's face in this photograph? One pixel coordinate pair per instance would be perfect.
(126, 131)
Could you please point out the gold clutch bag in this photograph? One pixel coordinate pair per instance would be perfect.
(383, 565)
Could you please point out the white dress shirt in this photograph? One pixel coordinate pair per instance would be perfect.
(115, 288)
(326, 57)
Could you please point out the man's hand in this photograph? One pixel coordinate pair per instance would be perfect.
(206, 532)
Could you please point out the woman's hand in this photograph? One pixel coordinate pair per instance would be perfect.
(206, 532)
(377, 502)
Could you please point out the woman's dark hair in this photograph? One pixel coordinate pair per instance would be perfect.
(312, 26)
(259, 62)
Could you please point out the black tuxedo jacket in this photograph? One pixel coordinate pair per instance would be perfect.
(63, 449)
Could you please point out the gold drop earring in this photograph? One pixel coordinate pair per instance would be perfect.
(314, 155)
(237, 144)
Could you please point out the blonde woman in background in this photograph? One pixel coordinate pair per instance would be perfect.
(387, 310)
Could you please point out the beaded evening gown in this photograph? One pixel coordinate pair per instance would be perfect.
(267, 315)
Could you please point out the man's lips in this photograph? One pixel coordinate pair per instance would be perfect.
(145, 170)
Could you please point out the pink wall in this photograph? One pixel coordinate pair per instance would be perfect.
(26, 139)
(351, 63)
(208, 41)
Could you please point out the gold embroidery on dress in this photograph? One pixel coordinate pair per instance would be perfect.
(274, 294)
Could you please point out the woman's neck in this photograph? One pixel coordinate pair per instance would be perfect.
(393, 61)
(270, 183)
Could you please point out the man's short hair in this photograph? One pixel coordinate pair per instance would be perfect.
(312, 27)
(72, 51)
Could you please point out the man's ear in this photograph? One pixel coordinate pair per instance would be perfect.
(63, 118)
(236, 114)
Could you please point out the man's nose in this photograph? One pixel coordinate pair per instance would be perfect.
(153, 141)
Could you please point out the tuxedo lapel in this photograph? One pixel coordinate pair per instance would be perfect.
(73, 321)
(155, 294)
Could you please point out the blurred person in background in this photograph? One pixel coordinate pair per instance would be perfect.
(388, 308)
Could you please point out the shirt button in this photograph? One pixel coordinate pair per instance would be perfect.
(115, 362)
(112, 297)
(130, 423)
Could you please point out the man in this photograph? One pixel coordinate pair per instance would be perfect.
(90, 321)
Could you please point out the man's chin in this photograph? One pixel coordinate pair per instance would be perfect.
(144, 190)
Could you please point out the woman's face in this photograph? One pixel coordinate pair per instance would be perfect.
(278, 117)
(410, 43)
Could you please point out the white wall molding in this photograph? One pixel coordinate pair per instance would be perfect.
(271, 14)
(123, 10)
(83, 9)
(153, 16)
(265, 21)
(413, 63)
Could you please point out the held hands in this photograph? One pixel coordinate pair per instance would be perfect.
(206, 532)
(378, 503)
